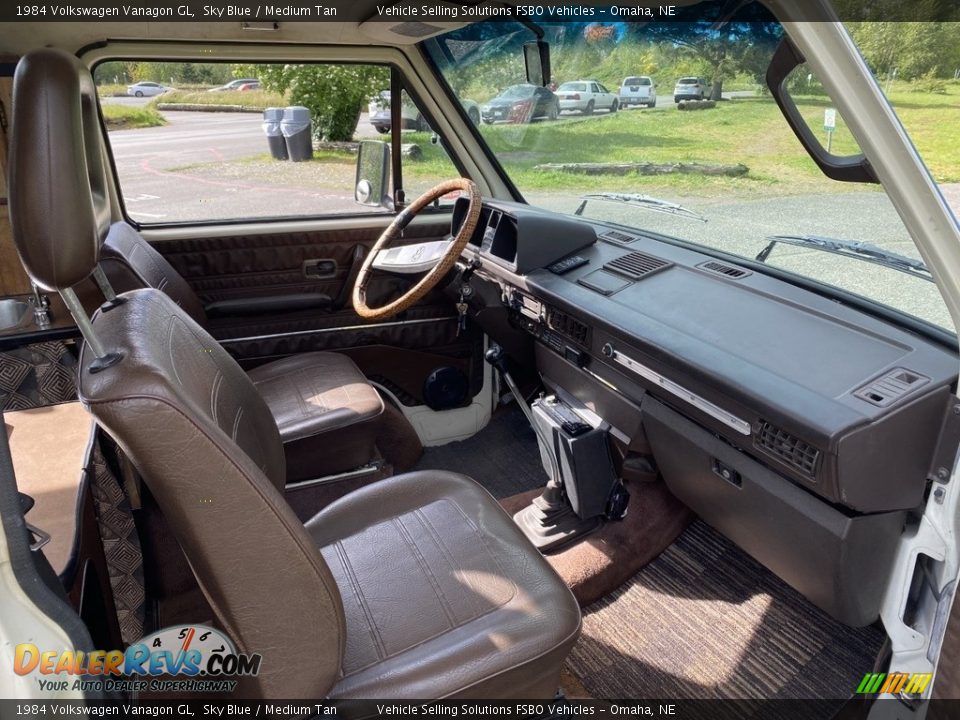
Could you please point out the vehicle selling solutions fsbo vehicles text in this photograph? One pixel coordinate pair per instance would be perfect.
(454, 12)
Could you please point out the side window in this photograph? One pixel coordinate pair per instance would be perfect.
(212, 143)
(425, 161)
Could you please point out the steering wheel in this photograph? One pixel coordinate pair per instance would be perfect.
(430, 280)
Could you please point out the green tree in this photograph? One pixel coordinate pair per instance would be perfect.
(725, 49)
(913, 49)
(335, 94)
(113, 71)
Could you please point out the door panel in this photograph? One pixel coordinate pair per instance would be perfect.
(257, 287)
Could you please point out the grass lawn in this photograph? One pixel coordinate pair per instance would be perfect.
(748, 130)
(124, 117)
(251, 98)
(744, 130)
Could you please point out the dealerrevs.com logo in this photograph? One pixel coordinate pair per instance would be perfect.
(193, 658)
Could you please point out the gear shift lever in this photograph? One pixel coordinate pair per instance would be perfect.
(548, 521)
(496, 356)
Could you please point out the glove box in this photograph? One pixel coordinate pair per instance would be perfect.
(838, 559)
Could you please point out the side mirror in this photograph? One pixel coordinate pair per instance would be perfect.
(536, 57)
(373, 174)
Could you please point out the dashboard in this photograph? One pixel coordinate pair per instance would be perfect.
(802, 428)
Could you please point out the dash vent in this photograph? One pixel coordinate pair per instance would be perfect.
(788, 448)
(637, 265)
(730, 271)
(568, 326)
(621, 238)
(889, 388)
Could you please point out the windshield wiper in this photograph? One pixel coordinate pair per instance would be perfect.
(650, 203)
(850, 248)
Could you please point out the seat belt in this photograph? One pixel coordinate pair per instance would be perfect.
(121, 543)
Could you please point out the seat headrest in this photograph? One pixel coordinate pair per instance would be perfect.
(59, 199)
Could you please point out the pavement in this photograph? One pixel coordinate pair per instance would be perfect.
(161, 170)
(124, 100)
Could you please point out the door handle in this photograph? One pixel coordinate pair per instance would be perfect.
(319, 269)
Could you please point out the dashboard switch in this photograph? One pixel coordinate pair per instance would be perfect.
(577, 357)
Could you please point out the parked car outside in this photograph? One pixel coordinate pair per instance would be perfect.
(235, 85)
(638, 90)
(379, 113)
(521, 104)
(146, 89)
(246, 87)
(586, 96)
(690, 88)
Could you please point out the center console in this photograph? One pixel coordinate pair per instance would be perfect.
(583, 490)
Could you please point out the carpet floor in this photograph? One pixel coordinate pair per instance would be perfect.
(503, 457)
(702, 620)
(705, 621)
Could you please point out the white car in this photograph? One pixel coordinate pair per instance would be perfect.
(146, 89)
(638, 90)
(690, 88)
(585, 96)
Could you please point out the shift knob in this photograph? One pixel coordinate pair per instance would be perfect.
(496, 357)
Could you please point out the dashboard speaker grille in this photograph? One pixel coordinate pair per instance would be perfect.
(637, 265)
(788, 448)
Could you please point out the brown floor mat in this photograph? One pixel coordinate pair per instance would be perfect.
(704, 620)
(48, 446)
(612, 555)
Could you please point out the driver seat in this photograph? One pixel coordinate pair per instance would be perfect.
(419, 586)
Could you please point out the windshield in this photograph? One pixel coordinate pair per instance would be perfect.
(723, 153)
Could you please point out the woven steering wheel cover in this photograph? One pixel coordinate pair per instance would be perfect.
(430, 280)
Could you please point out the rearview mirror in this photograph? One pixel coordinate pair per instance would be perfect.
(373, 174)
(536, 57)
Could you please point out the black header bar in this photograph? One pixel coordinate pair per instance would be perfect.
(286, 11)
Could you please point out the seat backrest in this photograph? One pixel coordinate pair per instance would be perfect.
(177, 404)
(130, 262)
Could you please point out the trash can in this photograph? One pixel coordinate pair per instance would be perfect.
(298, 133)
(271, 128)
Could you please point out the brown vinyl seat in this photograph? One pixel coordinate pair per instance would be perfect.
(419, 586)
(320, 400)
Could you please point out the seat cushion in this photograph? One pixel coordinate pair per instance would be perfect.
(325, 409)
(443, 594)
